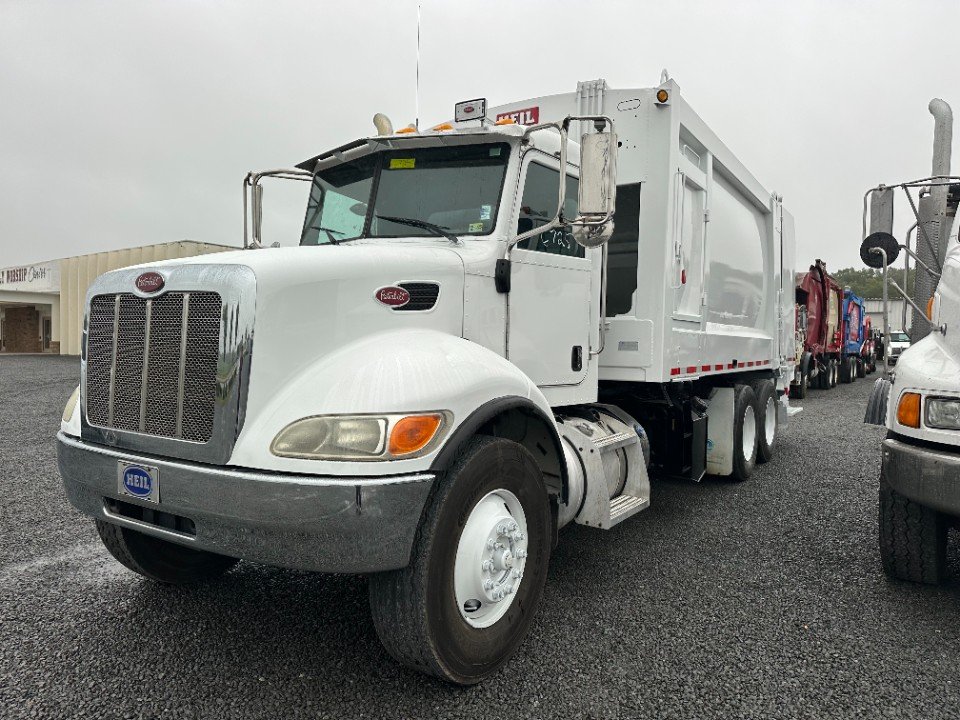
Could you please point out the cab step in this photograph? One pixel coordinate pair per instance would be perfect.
(625, 506)
(616, 441)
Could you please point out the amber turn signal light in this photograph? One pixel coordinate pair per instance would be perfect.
(908, 410)
(662, 95)
(412, 433)
(930, 309)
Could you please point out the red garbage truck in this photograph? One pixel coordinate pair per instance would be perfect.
(820, 299)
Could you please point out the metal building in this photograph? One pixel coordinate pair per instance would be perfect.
(41, 305)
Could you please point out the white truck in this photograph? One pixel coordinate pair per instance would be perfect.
(462, 356)
(919, 403)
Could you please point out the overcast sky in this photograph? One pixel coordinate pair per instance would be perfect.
(130, 123)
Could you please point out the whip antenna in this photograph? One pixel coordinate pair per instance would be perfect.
(416, 101)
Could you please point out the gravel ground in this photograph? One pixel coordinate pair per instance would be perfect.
(764, 599)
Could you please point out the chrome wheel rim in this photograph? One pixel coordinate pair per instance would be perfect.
(749, 434)
(770, 421)
(491, 557)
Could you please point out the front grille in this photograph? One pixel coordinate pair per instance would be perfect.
(423, 296)
(152, 363)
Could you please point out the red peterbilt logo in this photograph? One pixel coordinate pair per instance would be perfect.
(150, 282)
(526, 116)
(393, 296)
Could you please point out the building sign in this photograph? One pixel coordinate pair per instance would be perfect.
(42, 278)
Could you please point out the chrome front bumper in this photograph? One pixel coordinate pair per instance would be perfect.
(325, 524)
(930, 477)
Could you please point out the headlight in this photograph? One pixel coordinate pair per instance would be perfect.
(360, 437)
(71, 405)
(943, 413)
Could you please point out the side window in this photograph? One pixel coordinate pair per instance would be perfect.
(538, 206)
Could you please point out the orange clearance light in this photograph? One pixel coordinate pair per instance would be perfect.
(930, 309)
(413, 433)
(443, 126)
(662, 95)
(506, 121)
(408, 129)
(908, 410)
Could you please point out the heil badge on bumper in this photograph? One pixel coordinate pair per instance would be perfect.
(139, 481)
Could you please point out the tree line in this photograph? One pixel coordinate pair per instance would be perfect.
(867, 282)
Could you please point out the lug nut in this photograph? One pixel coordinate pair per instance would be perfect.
(509, 589)
(520, 554)
(518, 536)
(488, 584)
(490, 544)
(487, 565)
(517, 574)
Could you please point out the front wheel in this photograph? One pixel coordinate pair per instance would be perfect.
(913, 538)
(161, 560)
(465, 603)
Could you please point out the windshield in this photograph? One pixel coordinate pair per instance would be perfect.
(454, 189)
(899, 337)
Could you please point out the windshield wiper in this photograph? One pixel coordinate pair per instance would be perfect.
(423, 224)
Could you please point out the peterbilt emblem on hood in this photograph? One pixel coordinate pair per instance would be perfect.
(392, 295)
(150, 282)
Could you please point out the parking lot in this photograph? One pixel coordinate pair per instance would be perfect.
(763, 599)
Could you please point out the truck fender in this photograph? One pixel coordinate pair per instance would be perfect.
(407, 371)
(496, 417)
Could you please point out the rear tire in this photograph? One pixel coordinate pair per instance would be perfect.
(767, 422)
(845, 371)
(416, 610)
(799, 390)
(745, 431)
(161, 560)
(823, 376)
(834, 373)
(913, 538)
(861, 368)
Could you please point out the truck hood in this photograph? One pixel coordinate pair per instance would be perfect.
(312, 301)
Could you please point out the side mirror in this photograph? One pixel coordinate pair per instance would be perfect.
(879, 241)
(598, 189)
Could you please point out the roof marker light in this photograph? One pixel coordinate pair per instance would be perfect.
(662, 96)
(442, 127)
(506, 121)
(407, 129)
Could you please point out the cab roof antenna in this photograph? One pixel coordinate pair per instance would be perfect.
(416, 100)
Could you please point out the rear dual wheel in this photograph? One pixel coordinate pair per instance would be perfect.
(767, 422)
(465, 603)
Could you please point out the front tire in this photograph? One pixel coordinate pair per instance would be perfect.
(439, 615)
(160, 560)
(913, 538)
(744, 432)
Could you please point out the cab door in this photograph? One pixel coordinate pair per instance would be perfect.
(549, 325)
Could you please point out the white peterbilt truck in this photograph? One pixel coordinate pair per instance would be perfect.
(462, 355)
(919, 403)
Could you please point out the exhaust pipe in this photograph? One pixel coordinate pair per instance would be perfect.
(942, 137)
(934, 223)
